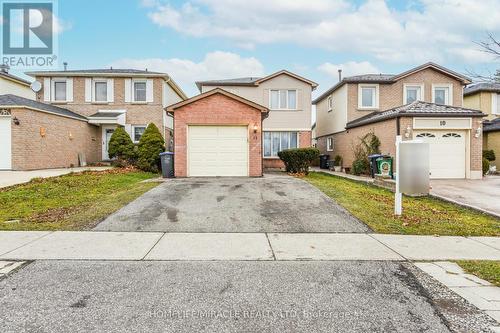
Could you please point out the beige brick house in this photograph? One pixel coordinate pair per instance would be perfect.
(425, 102)
(76, 112)
(485, 96)
(288, 98)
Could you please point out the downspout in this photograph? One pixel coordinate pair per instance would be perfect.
(398, 126)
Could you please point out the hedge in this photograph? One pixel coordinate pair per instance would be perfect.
(298, 160)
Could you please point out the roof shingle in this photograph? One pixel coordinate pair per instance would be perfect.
(9, 100)
(482, 86)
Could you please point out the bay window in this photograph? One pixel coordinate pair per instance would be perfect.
(275, 142)
(283, 99)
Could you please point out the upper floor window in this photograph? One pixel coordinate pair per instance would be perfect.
(368, 96)
(139, 91)
(101, 91)
(412, 93)
(495, 104)
(283, 99)
(442, 94)
(60, 91)
(330, 103)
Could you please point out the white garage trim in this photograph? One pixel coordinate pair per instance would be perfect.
(5, 142)
(217, 150)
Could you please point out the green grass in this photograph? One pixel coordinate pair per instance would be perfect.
(486, 270)
(76, 201)
(421, 216)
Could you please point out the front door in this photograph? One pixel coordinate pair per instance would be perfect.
(106, 136)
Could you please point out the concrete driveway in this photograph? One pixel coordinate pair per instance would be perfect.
(482, 194)
(274, 203)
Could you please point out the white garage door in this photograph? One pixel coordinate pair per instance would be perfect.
(217, 151)
(447, 152)
(5, 143)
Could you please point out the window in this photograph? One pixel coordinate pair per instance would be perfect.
(495, 104)
(60, 91)
(452, 135)
(412, 93)
(139, 91)
(442, 94)
(329, 144)
(330, 103)
(275, 142)
(100, 91)
(283, 99)
(426, 135)
(138, 131)
(367, 96)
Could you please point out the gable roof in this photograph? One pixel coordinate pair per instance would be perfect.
(13, 101)
(415, 109)
(492, 125)
(252, 81)
(171, 108)
(482, 86)
(14, 78)
(391, 78)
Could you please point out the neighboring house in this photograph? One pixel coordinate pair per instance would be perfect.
(11, 84)
(424, 102)
(485, 96)
(314, 142)
(76, 113)
(288, 98)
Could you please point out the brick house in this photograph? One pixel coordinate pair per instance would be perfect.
(288, 97)
(425, 102)
(76, 112)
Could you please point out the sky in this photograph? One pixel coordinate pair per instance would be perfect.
(215, 39)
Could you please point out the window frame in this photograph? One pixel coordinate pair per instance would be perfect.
(54, 83)
(448, 96)
(94, 90)
(271, 156)
(134, 100)
(286, 99)
(330, 144)
(133, 132)
(329, 103)
(413, 85)
(495, 103)
(375, 98)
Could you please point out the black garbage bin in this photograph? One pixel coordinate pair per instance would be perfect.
(373, 164)
(323, 161)
(167, 164)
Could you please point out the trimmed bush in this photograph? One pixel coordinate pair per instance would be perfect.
(486, 166)
(489, 155)
(337, 161)
(149, 148)
(121, 148)
(298, 160)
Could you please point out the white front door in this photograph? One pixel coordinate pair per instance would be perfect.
(107, 131)
(217, 151)
(5, 143)
(446, 152)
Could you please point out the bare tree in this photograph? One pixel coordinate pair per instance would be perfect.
(490, 45)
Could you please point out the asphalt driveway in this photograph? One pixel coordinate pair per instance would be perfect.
(274, 203)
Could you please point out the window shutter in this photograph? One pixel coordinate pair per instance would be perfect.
(88, 90)
(128, 90)
(46, 89)
(149, 91)
(110, 90)
(69, 90)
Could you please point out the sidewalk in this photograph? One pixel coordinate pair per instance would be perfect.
(91, 245)
(9, 178)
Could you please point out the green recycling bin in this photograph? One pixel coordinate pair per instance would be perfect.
(384, 166)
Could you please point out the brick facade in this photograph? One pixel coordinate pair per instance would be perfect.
(217, 109)
(43, 140)
(304, 142)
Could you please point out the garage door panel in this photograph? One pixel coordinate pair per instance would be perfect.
(5, 143)
(218, 151)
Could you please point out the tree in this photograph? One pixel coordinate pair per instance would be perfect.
(121, 147)
(491, 46)
(149, 148)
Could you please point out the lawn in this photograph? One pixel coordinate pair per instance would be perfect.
(486, 270)
(421, 216)
(76, 201)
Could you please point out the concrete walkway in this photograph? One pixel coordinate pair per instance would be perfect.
(9, 178)
(92, 245)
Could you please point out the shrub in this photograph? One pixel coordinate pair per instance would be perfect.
(489, 155)
(368, 145)
(486, 166)
(149, 148)
(298, 160)
(337, 161)
(121, 148)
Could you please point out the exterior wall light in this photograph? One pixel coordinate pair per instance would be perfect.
(255, 128)
(478, 132)
(407, 132)
(16, 121)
